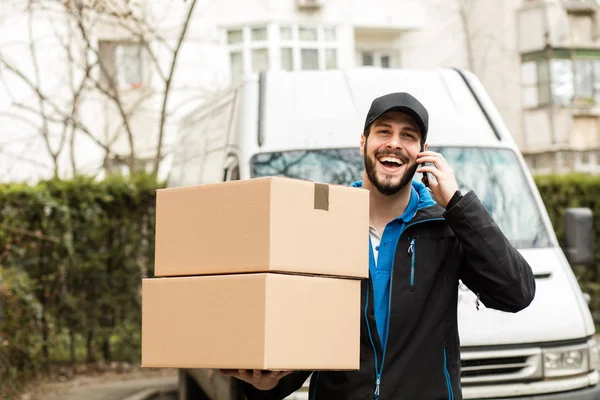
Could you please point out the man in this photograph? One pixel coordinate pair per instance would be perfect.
(420, 248)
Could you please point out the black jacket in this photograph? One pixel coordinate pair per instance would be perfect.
(422, 358)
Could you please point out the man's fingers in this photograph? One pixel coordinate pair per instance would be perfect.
(229, 372)
(439, 162)
(276, 375)
(256, 374)
(270, 374)
(433, 171)
(430, 153)
(244, 375)
(283, 374)
(432, 160)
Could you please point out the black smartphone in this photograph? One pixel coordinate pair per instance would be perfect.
(425, 178)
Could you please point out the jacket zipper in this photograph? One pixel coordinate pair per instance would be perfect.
(379, 368)
(448, 380)
(314, 395)
(377, 376)
(411, 253)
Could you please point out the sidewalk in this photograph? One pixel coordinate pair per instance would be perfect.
(114, 390)
(106, 387)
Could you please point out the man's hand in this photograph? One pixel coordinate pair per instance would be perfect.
(262, 380)
(444, 186)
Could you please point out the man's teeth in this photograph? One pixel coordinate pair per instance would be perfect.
(390, 159)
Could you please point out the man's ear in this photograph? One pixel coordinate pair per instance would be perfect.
(363, 140)
(426, 146)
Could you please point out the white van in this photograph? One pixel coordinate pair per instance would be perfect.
(307, 125)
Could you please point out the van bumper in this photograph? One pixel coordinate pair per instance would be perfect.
(584, 387)
(592, 393)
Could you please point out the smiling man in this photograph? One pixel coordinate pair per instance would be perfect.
(423, 240)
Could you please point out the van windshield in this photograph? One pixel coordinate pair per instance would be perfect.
(495, 175)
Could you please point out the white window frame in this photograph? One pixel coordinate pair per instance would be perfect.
(275, 43)
(377, 56)
(113, 64)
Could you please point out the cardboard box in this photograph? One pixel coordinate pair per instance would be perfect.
(262, 225)
(266, 321)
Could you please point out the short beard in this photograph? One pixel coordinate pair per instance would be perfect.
(386, 187)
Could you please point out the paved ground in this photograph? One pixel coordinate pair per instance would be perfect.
(113, 390)
(106, 387)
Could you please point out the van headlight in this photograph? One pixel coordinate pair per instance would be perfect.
(568, 360)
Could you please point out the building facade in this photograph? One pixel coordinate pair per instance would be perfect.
(536, 58)
(559, 47)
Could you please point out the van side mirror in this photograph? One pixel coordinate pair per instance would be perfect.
(579, 236)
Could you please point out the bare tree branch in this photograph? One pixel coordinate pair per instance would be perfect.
(163, 112)
(81, 17)
(65, 118)
(24, 159)
(465, 8)
(144, 33)
(113, 96)
(21, 118)
(134, 108)
(45, 132)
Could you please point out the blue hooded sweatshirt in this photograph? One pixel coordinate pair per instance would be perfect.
(381, 271)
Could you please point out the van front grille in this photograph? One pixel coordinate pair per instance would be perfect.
(480, 367)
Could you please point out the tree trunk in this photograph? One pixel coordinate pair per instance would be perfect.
(45, 338)
(73, 353)
(90, 347)
(106, 349)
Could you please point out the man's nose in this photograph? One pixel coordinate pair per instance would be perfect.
(395, 142)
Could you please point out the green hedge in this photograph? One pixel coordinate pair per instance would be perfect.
(560, 192)
(72, 255)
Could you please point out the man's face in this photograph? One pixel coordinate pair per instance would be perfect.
(390, 151)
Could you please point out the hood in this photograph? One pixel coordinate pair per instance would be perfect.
(425, 198)
(558, 311)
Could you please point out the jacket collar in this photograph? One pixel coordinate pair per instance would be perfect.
(427, 208)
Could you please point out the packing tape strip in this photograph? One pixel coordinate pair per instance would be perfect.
(321, 196)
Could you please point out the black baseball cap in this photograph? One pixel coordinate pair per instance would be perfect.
(402, 102)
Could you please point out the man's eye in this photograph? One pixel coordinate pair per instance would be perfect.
(384, 131)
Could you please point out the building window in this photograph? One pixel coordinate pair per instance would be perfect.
(237, 64)
(385, 61)
(331, 59)
(287, 59)
(121, 64)
(310, 59)
(330, 34)
(562, 77)
(381, 59)
(560, 160)
(235, 36)
(260, 60)
(584, 157)
(308, 34)
(259, 34)
(285, 33)
(287, 47)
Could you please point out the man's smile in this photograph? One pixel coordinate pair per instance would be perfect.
(390, 164)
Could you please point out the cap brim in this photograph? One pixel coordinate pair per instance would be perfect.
(406, 110)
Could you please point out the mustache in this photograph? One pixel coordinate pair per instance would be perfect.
(398, 154)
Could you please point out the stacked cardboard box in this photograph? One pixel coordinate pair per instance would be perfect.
(257, 274)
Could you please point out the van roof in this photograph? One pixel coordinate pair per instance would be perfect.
(321, 109)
